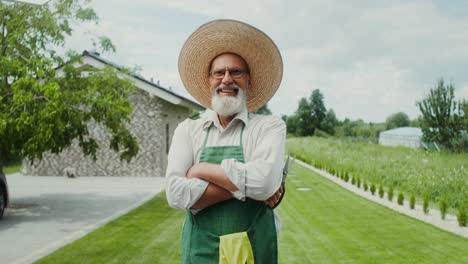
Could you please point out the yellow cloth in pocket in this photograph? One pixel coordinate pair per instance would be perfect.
(235, 249)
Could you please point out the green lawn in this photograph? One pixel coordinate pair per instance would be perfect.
(148, 234)
(12, 168)
(326, 224)
(329, 224)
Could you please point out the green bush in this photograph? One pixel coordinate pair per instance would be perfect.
(412, 201)
(381, 191)
(426, 204)
(366, 187)
(443, 207)
(353, 181)
(390, 193)
(358, 182)
(462, 215)
(401, 198)
(320, 133)
(372, 189)
(346, 178)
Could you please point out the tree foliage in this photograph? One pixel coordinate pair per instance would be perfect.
(46, 102)
(464, 107)
(441, 115)
(309, 115)
(318, 110)
(396, 120)
(330, 122)
(304, 126)
(360, 130)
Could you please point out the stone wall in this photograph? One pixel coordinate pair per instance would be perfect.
(152, 122)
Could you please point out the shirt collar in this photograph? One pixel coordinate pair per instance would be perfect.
(212, 118)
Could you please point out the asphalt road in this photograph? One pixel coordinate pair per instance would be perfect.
(48, 212)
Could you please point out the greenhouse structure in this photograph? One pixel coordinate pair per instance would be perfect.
(403, 136)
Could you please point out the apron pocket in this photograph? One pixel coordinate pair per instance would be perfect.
(235, 248)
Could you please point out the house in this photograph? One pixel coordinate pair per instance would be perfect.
(156, 113)
(403, 136)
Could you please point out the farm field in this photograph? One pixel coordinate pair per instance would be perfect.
(424, 174)
(322, 223)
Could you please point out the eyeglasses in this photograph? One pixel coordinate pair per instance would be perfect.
(234, 73)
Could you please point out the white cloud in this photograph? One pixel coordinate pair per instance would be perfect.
(370, 59)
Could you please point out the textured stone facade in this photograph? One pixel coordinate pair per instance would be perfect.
(152, 122)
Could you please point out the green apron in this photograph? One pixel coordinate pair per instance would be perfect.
(201, 232)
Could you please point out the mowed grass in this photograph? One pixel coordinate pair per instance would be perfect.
(329, 224)
(148, 234)
(326, 224)
(12, 168)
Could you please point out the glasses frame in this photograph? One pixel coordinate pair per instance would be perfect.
(236, 76)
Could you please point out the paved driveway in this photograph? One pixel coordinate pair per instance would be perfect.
(49, 212)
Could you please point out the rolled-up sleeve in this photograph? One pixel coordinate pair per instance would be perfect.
(182, 193)
(260, 177)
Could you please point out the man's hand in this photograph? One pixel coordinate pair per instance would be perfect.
(271, 202)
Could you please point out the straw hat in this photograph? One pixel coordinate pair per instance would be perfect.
(221, 36)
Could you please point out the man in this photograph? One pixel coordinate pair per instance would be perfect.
(226, 167)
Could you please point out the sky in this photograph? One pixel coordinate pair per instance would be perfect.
(369, 59)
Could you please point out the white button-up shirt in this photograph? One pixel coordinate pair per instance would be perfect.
(258, 178)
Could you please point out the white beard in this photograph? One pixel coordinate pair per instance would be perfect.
(229, 105)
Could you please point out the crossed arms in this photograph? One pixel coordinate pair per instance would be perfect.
(197, 186)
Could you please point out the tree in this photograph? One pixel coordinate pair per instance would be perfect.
(304, 118)
(310, 114)
(464, 107)
(264, 110)
(416, 122)
(291, 123)
(41, 110)
(396, 120)
(330, 122)
(441, 115)
(318, 110)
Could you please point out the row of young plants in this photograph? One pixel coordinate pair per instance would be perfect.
(462, 213)
(438, 178)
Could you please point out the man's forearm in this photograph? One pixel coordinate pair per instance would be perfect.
(212, 195)
(220, 187)
(212, 173)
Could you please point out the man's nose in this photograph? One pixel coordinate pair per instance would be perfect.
(227, 79)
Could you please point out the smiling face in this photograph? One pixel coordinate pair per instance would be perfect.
(226, 69)
(229, 80)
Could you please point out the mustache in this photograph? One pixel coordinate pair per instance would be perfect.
(230, 86)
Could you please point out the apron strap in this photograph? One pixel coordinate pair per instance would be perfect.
(206, 137)
(242, 133)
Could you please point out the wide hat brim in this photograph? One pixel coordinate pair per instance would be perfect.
(222, 36)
